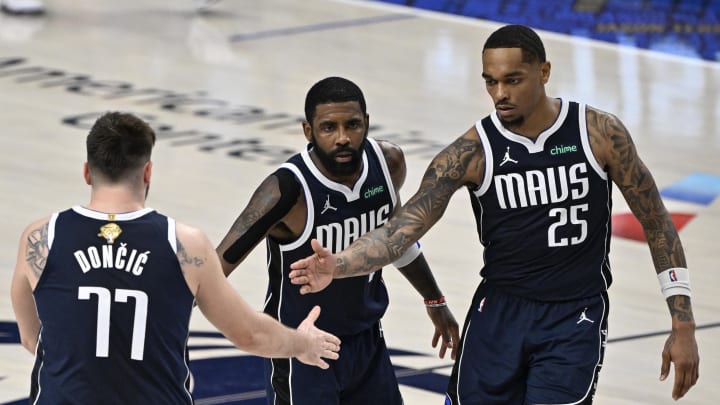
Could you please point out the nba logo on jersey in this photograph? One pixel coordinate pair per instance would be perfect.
(673, 276)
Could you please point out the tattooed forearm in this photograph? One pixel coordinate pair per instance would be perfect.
(446, 173)
(186, 259)
(36, 251)
(629, 173)
(267, 206)
(680, 308)
(665, 246)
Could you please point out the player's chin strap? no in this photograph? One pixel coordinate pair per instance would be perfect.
(674, 281)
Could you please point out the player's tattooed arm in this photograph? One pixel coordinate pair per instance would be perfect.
(629, 173)
(680, 308)
(264, 214)
(186, 259)
(612, 142)
(36, 249)
(459, 164)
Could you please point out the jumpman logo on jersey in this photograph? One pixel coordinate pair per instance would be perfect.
(584, 317)
(507, 157)
(327, 205)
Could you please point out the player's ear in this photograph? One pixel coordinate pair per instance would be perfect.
(307, 129)
(545, 72)
(147, 172)
(86, 174)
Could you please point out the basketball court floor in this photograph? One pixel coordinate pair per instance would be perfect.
(225, 91)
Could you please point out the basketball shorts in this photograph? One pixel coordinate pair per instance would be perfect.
(516, 351)
(362, 375)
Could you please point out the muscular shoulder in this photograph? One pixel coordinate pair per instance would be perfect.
(39, 225)
(606, 132)
(463, 160)
(193, 246)
(395, 159)
(394, 155)
(34, 247)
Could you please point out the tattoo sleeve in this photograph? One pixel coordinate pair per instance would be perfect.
(273, 199)
(634, 180)
(636, 183)
(36, 251)
(445, 174)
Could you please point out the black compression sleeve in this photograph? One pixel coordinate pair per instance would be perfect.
(289, 193)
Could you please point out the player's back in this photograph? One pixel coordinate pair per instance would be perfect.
(115, 310)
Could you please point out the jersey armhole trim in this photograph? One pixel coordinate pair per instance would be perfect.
(171, 235)
(386, 171)
(310, 208)
(51, 230)
(489, 163)
(585, 140)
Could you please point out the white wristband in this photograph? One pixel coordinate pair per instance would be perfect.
(410, 254)
(674, 281)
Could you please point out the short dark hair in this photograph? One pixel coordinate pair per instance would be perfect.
(518, 36)
(332, 90)
(117, 144)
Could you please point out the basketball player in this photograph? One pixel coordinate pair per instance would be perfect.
(103, 293)
(539, 173)
(341, 186)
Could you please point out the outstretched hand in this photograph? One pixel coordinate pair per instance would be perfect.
(447, 327)
(681, 349)
(315, 272)
(321, 344)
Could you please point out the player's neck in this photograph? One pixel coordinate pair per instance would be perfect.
(542, 118)
(116, 199)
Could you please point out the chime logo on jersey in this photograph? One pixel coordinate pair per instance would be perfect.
(537, 187)
(337, 236)
(373, 191)
(560, 149)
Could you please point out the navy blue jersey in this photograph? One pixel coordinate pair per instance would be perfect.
(115, 311)
(543, 210)
(336, 216)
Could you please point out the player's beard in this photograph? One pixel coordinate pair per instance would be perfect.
(340, 168)
(513, 123)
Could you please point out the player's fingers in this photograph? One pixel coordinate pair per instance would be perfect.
(443, 349)
(322, 364)
(456, 343)
(299, 264)
(331, 341)
(680, 386)
(665, 366)
(317, 248)
(314, 314)
(305, 289)
(435, 339)
(331, 355)
(299, 280)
